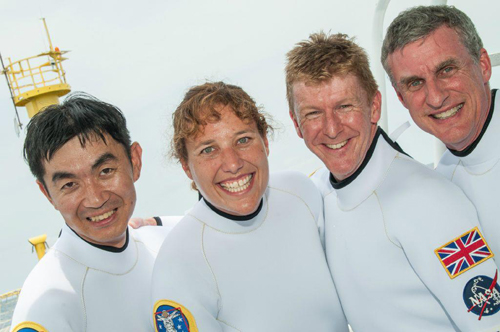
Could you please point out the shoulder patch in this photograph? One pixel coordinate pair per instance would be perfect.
(463, 253)
(170, 316)
(29, 327)
(482, 295)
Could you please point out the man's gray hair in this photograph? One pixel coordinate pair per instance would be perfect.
(419, 22)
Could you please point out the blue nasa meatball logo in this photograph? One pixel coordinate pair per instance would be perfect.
(482, 296)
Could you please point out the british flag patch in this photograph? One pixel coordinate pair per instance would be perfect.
(463, 253)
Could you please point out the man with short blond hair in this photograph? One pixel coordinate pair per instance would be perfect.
(388, 244)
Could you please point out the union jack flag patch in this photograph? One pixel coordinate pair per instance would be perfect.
(463, 253)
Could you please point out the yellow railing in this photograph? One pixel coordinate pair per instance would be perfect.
(8, 295)
(35, 73)
(38, 81)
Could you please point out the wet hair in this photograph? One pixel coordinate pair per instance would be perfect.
(419, 22)
(323, 56)
(80, 115)
(202, 105)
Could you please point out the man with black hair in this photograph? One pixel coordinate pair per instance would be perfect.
(97, 274)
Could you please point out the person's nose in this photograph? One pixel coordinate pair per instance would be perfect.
(332, 126)
(436, 94)
(96, 194)
(231, 160)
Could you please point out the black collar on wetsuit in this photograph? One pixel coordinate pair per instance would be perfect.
(468, 150)
(341, 184)
(233, 217)
(102, 247)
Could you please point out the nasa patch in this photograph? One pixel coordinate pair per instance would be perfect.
(29, 327)
(482, 295)
(170, 316)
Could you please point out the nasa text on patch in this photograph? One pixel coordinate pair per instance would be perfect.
(482, 295)
(463, 253)
(170, 316)
(29, 327)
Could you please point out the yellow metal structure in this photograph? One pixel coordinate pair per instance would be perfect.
(38, 81)
(35, 82)
(9, 295)
(39, 242)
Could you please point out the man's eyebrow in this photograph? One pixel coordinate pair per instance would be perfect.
(103, 159)
(62, 176)
(405, 80)
(306, 107)
(445, 64)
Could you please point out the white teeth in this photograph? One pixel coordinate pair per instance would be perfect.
(102, 216)
(238, 185)
(449, 113)
(337, 146)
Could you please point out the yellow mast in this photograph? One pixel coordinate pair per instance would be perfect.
(38, 81)
(40, 245)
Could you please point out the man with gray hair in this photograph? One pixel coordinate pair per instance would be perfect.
(440, 71)
(400, 261)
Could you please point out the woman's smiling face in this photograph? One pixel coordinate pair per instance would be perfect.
(227, 160)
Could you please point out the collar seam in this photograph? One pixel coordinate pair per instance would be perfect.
(233, 233)
(300, 198)
(103, 271)
(465, 167)
(382, 180)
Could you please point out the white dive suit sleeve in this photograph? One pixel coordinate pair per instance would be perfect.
(186, 290)
(437, 220)
(44, 315)
(50, 300)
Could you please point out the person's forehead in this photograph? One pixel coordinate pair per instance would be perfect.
(442, 38)
(442, 43)
(78, 155)
(338, 86)
(226, 114)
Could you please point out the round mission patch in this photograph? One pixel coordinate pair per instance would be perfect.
(482, 297)
(170, 316)
(29, 327)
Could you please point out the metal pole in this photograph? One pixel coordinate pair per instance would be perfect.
(11, 95)
(378, 70)
(495, 59)
(48, 36)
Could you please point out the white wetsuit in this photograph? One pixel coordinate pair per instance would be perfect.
(382, 227)
(477, 171)
(78, 287)
(266, 273)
